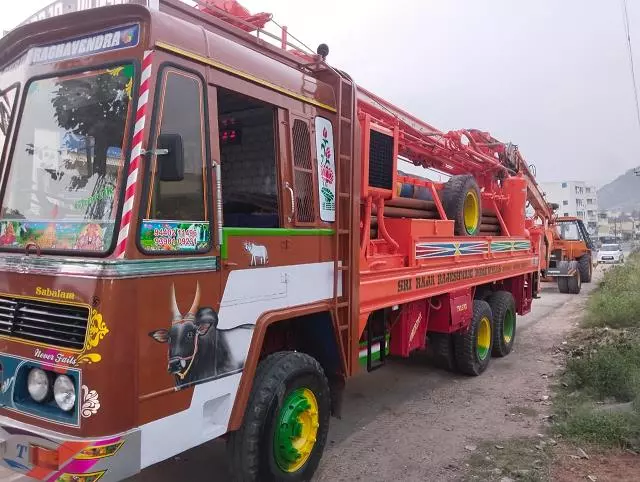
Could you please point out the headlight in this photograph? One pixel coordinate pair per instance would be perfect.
(38, 385)
(64, 392)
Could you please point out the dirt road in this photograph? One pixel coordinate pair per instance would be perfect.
(412, 422)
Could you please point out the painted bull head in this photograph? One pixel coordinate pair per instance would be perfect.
(186, 334)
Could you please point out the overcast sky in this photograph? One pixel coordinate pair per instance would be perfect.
(551, 76)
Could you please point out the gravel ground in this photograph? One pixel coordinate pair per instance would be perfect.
(414, 423)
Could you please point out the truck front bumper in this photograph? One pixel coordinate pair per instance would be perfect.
(53, 457)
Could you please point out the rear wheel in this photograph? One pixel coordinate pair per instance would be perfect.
(585, 267)
(461, 201)
(563, 286)
(574, 283)
(473, 348)
(286, 424)
(563, 281)
(503, 308)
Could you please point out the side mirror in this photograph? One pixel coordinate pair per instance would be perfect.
(170, 157)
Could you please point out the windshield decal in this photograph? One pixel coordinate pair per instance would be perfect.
(55, 235)
(106, 41)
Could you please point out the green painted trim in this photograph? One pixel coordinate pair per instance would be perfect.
(375, 353)
(253, 232)
(375, 356)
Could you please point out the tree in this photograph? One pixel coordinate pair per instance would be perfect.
(95, 108)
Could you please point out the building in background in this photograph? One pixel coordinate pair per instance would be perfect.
(622, 226)
(603, 225)
(575, 198)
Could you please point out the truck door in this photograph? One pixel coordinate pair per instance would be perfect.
(177, 234)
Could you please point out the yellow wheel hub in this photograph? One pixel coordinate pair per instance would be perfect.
(484, 338)
(296, 430)
(471, 212)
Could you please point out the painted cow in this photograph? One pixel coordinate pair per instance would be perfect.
(198, 351)
(258, 252)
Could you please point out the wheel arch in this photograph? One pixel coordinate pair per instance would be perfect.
(265, 341)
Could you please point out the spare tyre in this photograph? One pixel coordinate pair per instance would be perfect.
(462, 204)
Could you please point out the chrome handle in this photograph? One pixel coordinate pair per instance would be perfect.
(219, 202)
(293, 203)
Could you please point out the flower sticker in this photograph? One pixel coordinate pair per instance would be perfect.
(327, 175)
(326, 169)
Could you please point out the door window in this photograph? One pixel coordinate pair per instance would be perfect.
(176, 214)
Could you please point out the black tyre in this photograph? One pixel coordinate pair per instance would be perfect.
(440, 348)
(585, 267)
(462, 204)
(563, 281)
(503, 308)
(563, 286)
(574, 283)
(285, 427)
(472, 349)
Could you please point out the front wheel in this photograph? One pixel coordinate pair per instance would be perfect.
(285, 427)
(574, 283)
(585, 267)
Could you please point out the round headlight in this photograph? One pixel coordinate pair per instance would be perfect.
(64, 391)
(38, 385)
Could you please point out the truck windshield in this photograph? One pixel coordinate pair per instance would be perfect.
(61, 192)
(569, 231)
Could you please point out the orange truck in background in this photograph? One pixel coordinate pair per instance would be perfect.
(570, 254)
(204, 235)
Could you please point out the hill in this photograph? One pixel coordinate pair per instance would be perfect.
(623, 193)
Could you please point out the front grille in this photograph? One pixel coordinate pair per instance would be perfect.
(64, 326)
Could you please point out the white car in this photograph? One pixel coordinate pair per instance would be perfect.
(610, 253)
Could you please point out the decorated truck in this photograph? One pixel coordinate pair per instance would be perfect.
(204, 233)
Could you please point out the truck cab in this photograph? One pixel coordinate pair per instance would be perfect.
(130, 288)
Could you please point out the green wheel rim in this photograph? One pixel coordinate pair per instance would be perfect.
(509, 326)
(483, 343)
(296, 430)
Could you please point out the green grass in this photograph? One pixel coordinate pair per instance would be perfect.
(611, 371)
(603, 429)
(605, 369)
(616, 303)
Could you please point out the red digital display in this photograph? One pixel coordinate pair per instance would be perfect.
(230, 132)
